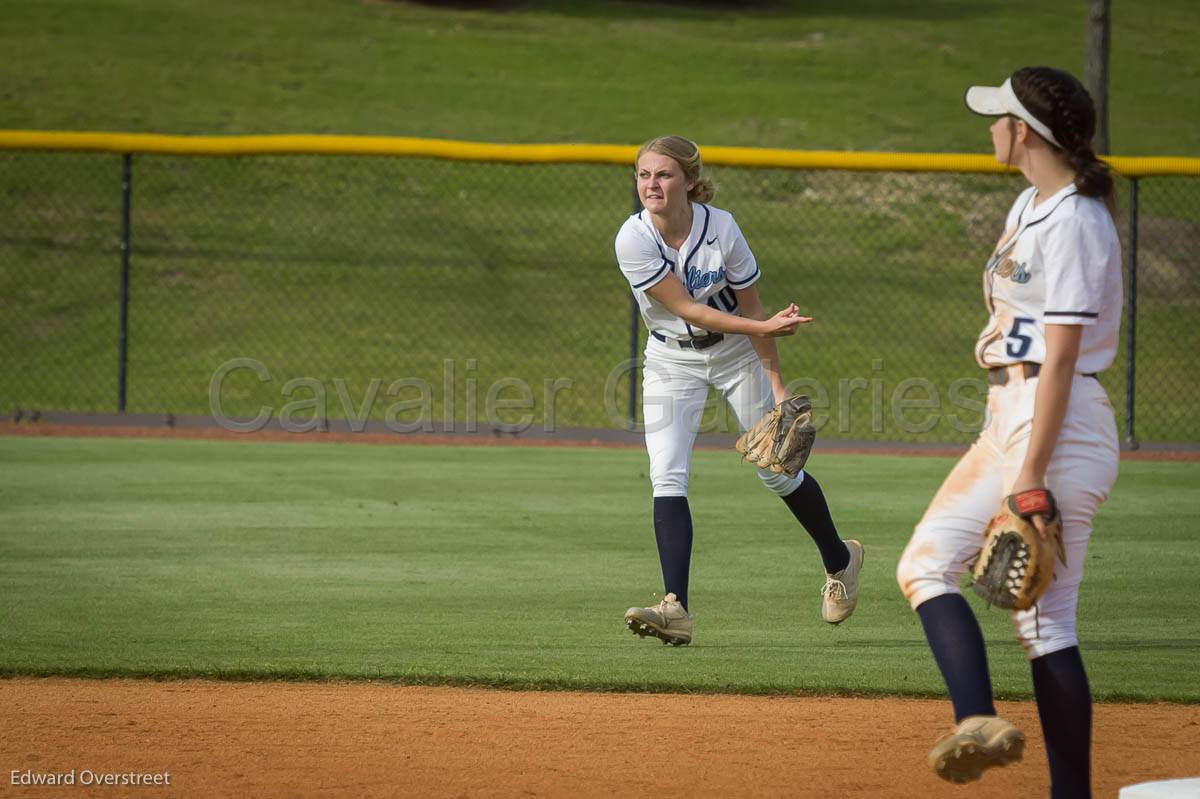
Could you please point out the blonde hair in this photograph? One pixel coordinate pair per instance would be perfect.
(687, 155)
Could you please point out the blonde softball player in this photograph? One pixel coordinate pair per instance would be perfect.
(1053, 291)
(694, 279)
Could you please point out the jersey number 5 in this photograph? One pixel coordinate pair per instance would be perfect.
(1019, 343)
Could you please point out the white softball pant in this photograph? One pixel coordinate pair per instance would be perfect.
(1082, 470)
(675, 385)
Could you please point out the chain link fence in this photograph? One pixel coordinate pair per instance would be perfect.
(437, 295)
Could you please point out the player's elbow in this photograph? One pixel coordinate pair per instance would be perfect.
(750, 304)
(752, 310)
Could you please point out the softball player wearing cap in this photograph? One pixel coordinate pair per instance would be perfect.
(1053, 290)
(694, 279)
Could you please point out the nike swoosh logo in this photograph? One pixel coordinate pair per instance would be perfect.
(710, 241)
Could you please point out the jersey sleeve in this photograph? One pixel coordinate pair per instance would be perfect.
(640, 259)
(741, 270)
(1075, 255)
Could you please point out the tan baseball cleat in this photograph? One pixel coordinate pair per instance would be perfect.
(840, 592)
(977, 743)
(666, 620)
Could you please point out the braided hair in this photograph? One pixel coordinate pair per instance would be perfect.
(1061, 102)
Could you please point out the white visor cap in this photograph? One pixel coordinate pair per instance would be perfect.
(997, 101)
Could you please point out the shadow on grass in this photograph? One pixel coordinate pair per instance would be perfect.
(520, 683)
(810, 647)
(1139, 645)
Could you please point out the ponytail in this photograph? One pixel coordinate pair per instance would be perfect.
(1063, 104)
(1092, 177)
(703, 191)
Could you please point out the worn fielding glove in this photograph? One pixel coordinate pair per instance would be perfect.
(1016, 565)
(782, 439)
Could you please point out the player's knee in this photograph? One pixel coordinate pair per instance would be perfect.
(1042, 637)
(907, 575)
(1050, 625)
(670, 485)
(778, 483)
(669, 475)
(920, 574)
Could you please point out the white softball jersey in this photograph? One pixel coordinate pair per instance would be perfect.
(1061, 265)
(713, 261)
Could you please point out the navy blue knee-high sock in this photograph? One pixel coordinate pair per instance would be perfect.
(957, 643)
(1064, 703)
(673, 532)
(808, 505)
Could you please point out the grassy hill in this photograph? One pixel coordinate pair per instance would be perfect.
(366, 269)
(865, 74)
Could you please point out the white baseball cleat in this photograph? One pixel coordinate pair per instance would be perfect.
(977, 743)
(840, 592)
(666, 620)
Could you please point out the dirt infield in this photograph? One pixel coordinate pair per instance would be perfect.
(372, 739)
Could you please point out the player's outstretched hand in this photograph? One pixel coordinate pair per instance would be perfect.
(785, 322)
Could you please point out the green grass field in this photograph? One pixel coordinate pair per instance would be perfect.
(805, 74)
(364, 269)
(512, 567)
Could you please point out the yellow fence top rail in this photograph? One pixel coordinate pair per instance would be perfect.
(149, 143)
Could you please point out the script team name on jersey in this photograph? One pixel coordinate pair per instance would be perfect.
(698, 280)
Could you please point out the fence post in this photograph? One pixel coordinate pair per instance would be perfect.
(123, 323)
(1131, 317)
(633, 334)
